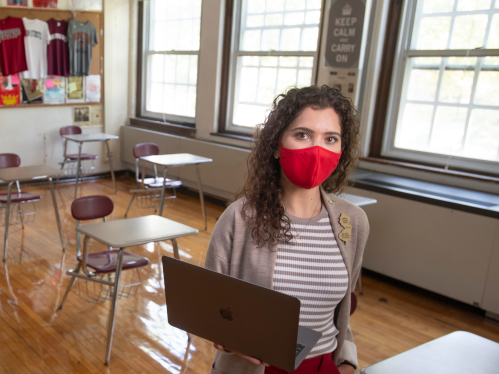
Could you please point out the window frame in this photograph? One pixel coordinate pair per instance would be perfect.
(143, 71)
(402, 54)
(232, 53)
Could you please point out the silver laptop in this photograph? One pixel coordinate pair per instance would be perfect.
(239, 315)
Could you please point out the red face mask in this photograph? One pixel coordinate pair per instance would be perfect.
(308, 167)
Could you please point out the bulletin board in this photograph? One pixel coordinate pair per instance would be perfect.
(96, 18)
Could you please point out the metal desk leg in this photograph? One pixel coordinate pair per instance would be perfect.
(7, 213)
(58, 219)
(175, 249)
(110, 157)
(114, 305)
(162, 200)
(201, 196)
(78, 168)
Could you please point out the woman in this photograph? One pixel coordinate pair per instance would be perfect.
(289, 231)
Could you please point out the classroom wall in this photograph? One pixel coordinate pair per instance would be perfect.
(33, 133)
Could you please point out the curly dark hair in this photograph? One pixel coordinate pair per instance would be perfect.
(262, 189)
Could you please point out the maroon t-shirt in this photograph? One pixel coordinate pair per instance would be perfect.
(12, 54)
(57, 50)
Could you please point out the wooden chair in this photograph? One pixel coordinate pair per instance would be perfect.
(148, 185)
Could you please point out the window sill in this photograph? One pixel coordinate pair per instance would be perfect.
(461, 199)
(432, 169)
(168, 128)
(233, 136)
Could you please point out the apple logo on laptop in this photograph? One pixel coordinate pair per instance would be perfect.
(226, 314)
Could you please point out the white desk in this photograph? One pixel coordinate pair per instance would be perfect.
(84, 138)
(27, 173)
(126, 233)
(358, 200)
(176, 160)
(457, 353)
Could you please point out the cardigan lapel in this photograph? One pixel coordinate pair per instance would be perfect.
(334, 217)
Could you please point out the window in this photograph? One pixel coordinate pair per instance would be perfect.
(274, 47)
(171, 34)
(444, 102)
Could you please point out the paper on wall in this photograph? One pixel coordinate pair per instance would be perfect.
(93, 88)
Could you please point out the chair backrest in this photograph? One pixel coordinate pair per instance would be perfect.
(353, 302)
(145, 149)
(91, 207)
(9, 160)
(70, 130)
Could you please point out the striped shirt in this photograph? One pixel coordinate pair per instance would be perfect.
(314, 272)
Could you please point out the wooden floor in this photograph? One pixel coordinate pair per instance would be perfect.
(36, 337)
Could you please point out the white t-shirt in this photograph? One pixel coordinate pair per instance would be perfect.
(35, 42)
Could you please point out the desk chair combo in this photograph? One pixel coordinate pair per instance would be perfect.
(9, 160)
(149, 186)
(21, 199)
(73, 157)
(103, 263)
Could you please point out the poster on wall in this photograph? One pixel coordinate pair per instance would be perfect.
(10, 90)
(344, 33)
(55, 90)
(81, 116)
(75, 90)
(92, 88)
(45, 4)
(32, 91)
(17, 3)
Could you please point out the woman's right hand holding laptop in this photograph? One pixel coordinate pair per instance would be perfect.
(248, 358)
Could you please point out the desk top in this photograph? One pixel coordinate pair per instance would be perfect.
(97, 137)
(458, 353)
(176, 159)
(24, 173)
(135, 231)
(358, 200)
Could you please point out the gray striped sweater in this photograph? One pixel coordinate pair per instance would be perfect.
(311, 269)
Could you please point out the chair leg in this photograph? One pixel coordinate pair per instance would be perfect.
(70, 285)
(62, 167)
(130, 204)
(20, 214)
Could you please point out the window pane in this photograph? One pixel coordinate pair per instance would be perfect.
(258, 85)
(440, 6)
(469, 31)
(482, 140)
(456, 86)
(172, 83)
(414, 125)
(471, 5)
(448, 130)
(493, 40)
(487, 89)
(291, 25)
(174, 25)
(433, 33)
(423, 79)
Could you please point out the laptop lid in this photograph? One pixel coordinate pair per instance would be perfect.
(239, 315)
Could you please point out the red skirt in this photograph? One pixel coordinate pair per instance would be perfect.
(321, 364)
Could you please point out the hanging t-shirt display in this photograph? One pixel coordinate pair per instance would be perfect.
(36, 40)
(81, 38)
(57, 50)
(12, 53)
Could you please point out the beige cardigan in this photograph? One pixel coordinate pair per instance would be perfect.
(232, 251)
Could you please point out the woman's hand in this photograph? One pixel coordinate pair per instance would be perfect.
(248, 358)
(346, 369)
